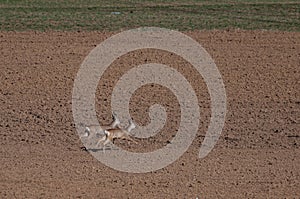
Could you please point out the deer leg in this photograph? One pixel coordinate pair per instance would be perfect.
(105, 143)
(101, 140)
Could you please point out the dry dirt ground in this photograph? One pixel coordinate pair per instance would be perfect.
(257, 155)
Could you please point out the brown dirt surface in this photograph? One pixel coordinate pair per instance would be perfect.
(257, 154)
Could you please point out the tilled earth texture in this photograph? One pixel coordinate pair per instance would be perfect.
(257, 154)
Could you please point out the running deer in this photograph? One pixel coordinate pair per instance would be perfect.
(99, 129)
(117, 133)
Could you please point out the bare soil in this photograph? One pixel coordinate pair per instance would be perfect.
(257, 154)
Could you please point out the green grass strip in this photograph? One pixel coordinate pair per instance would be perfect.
(174, 14)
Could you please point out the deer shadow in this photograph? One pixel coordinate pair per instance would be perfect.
(98, 149)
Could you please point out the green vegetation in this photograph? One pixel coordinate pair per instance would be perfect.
(114, 15)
